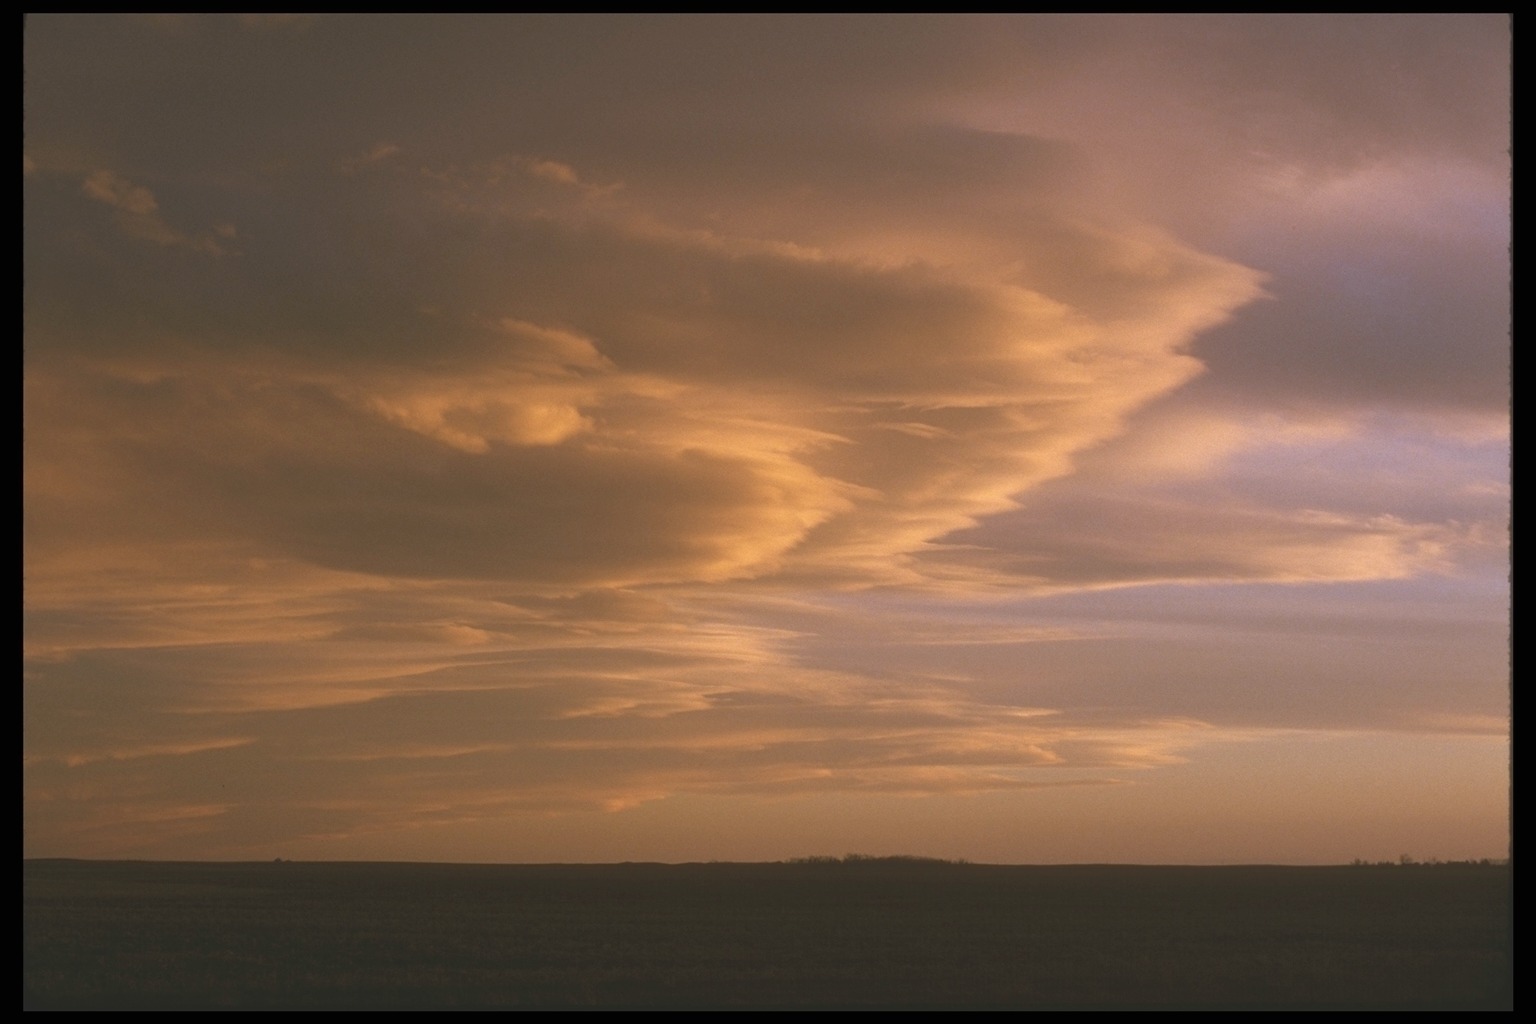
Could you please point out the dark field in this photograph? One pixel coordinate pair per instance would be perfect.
(873, 933)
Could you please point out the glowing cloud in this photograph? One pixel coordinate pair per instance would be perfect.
(604, 415)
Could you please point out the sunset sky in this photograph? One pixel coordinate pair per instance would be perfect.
(1029, 439)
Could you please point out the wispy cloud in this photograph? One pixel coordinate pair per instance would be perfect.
(603, 415)
(138, 213)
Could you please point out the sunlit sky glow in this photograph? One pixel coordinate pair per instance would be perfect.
(1026, 439)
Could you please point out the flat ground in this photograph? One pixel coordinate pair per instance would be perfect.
(876, 933)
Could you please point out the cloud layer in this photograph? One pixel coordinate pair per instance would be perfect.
(535, 437)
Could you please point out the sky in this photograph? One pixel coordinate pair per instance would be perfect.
(1027, 439)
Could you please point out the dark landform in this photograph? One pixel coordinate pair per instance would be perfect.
(856, 933)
